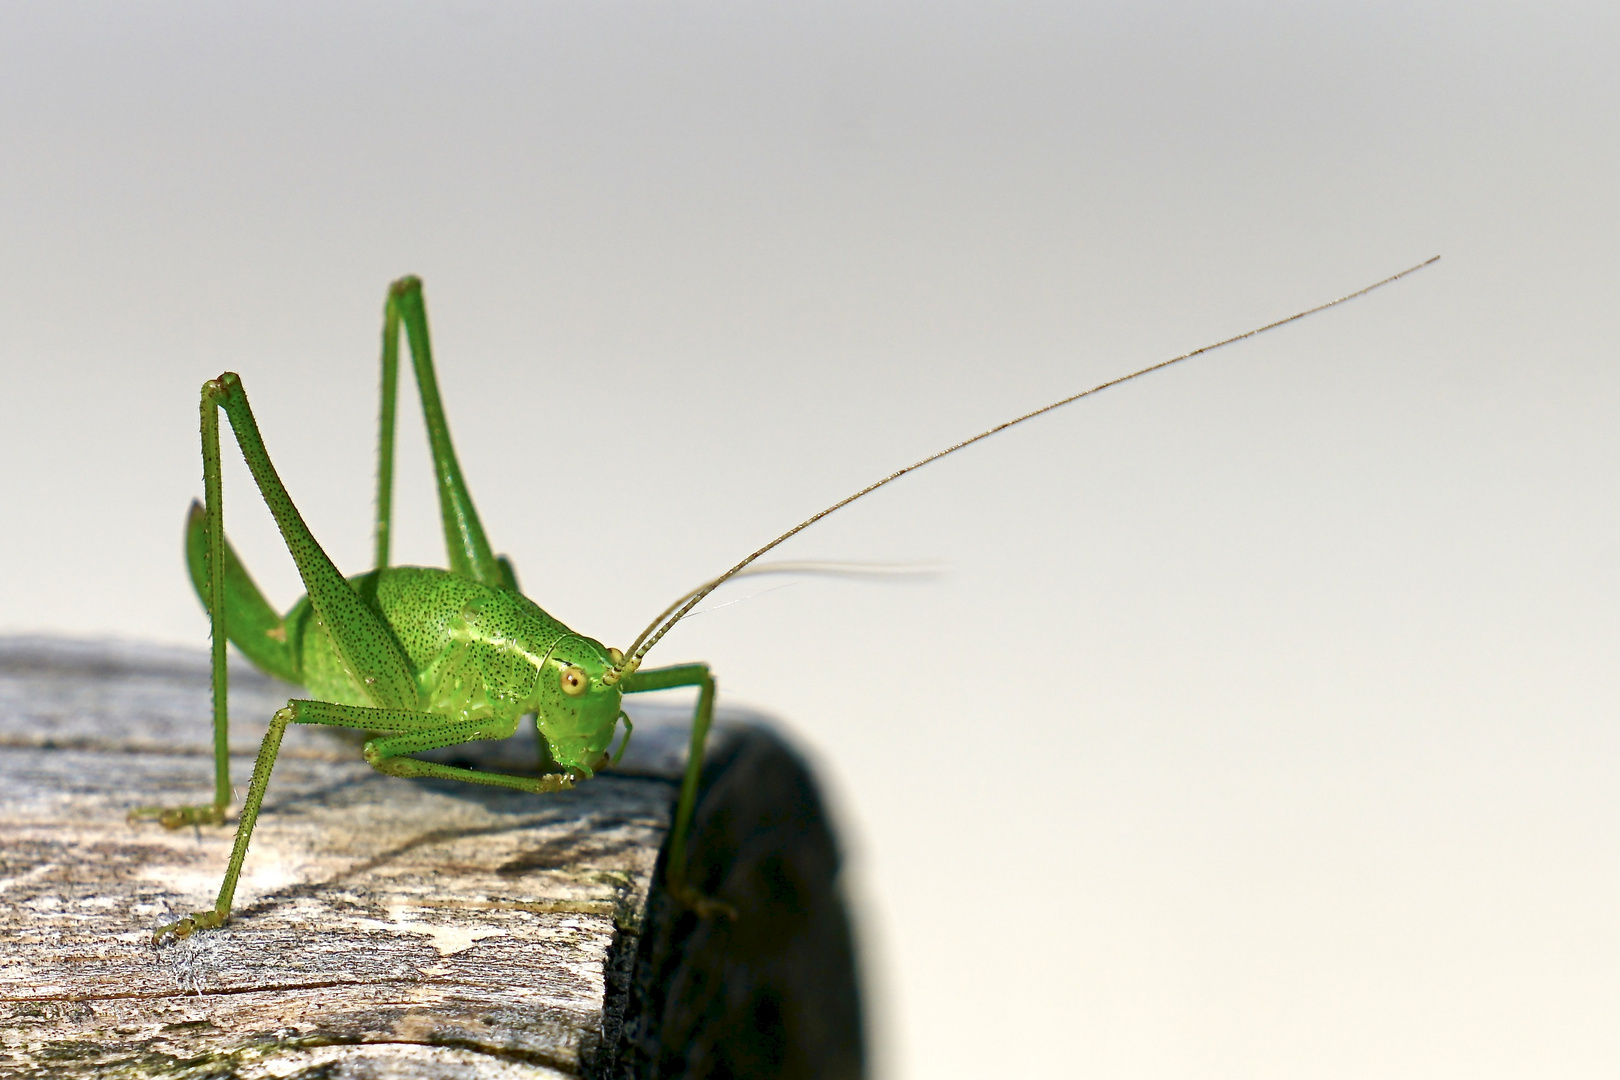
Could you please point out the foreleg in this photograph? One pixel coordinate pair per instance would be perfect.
(670, 678)
(408, 732)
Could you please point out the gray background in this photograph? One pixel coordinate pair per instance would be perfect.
(1263, 724)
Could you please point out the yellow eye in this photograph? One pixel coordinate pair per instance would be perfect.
(574, 681)
(615, 657)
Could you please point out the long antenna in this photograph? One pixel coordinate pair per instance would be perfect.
(679, 610)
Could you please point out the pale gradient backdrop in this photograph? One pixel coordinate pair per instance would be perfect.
(1265, 722)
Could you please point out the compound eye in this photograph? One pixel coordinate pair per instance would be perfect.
(574, 681)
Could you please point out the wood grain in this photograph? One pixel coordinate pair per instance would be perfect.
(391, 928)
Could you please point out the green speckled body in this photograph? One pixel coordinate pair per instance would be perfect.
(478, 653)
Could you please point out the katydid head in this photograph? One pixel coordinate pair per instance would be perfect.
(577, 709)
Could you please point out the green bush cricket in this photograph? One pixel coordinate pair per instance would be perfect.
(422, 658)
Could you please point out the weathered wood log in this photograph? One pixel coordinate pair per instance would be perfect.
(393, 928)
